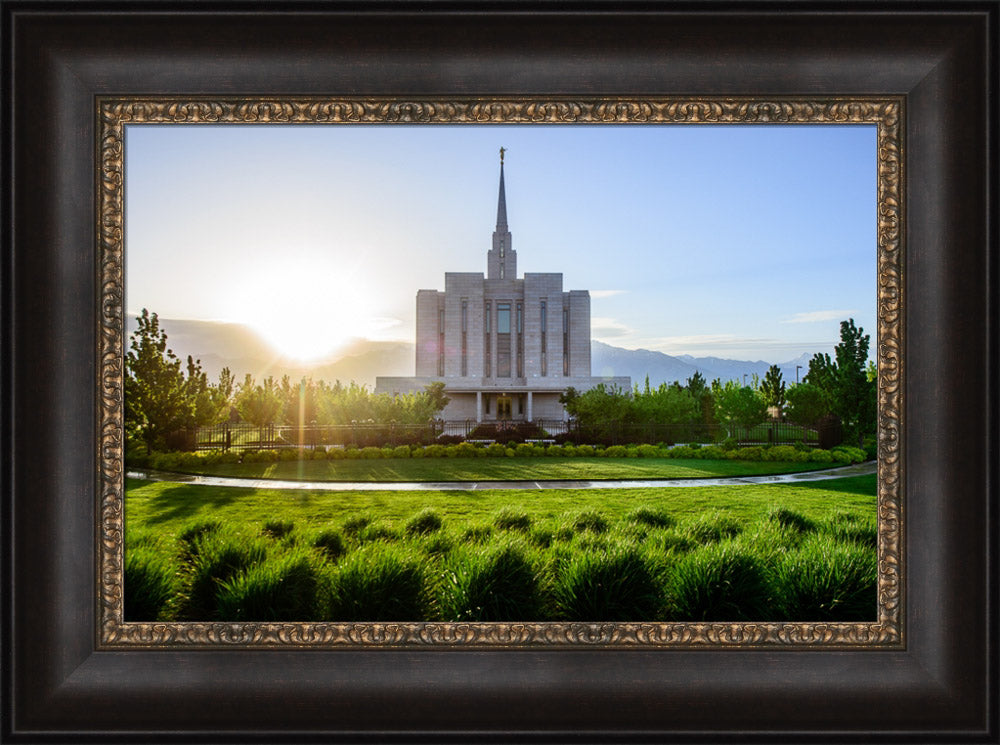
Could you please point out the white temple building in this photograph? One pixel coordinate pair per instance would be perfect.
(505, 347)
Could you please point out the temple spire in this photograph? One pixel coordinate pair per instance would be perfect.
(501, 260)
(502, 199)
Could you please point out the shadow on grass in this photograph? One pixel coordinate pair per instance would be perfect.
(862, 485)
(181, 501)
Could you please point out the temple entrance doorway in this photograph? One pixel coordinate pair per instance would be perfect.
(503, 408)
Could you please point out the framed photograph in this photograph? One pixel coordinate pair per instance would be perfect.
(237, 159)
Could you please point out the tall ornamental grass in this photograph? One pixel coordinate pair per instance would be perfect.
(646, 565)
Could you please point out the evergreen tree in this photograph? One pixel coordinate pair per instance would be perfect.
(773, 388)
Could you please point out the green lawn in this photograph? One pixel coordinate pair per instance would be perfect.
(748, 552)
(498, 469)
(165, 507)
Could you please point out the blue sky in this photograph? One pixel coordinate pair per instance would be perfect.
(747, 242)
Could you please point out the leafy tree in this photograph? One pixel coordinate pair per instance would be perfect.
(209, 403)
(737, 406)
(156, 394)
(772, 388)
(807, 404)
(258, 404)
(436, 396)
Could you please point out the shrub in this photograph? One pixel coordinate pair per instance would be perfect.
(370, 452)
(718, 583)
(585, 451)
(711, 452)
(524, 450)
(653, 517)
(751, 454)
(496, 450)
(284, 588)
(330, 543)
(450, 439)
(590, 521)
(648, 451)
(277, 528)
(820, 456)
(827, 581)
(466, 450)
(615, 451)
(149, 582)
(510, 519)
(434, 451)
(378, 582)
(781, 453)
(424, 522)
(401, 451)
(681, 451)
(494, 584)
(606, 586)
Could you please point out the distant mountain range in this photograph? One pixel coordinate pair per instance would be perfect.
(243, 351)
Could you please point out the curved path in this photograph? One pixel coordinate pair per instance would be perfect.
(785, 478)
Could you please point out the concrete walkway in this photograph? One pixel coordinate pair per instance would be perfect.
(786, 478)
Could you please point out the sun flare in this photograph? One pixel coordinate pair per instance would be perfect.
(304, 311)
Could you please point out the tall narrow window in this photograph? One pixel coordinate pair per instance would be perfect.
(565, 341)
(465, 337)
(503, 340)
(519, 346)
(544, 350)
(441, 341)
(487, 361)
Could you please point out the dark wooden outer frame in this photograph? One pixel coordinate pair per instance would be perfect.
(58, 686)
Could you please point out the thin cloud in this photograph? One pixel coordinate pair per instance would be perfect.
(608, 328)
(821, 315)
(606, 293)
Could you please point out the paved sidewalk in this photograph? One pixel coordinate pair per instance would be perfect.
(786, 478)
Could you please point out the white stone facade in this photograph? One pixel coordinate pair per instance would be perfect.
(506, 348)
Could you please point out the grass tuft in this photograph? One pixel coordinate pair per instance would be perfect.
(498, 584)
(511, 519)
(424, 522)
(718, 583)
(283, 588)
(606, 586)
(378, 582)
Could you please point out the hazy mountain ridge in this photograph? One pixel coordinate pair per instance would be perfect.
(219, 344)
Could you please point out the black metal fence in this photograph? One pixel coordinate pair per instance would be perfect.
(363, 434)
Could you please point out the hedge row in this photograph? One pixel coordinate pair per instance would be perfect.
(778, 453)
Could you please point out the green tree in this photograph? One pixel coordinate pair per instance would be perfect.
(846, 382)
(772, 388)
(258, 404)
(209, 403)
(737, 407)
(807, 404)
(156, 394)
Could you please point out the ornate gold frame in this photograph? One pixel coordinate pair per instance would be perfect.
(886, 113)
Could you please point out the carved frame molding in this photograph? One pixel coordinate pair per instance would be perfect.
(114, 113)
